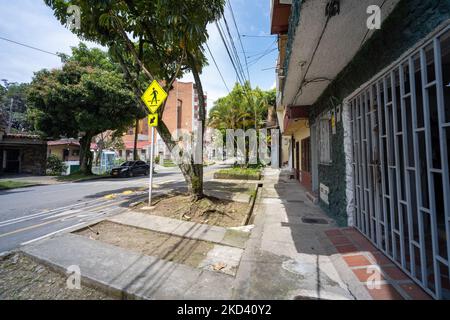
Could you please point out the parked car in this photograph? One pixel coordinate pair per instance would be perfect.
(131, 169)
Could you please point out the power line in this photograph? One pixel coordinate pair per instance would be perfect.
(258, 36)
(265, 53)
(28, 46)
(220, 73)
(228, 52)
(234, 50)
(240, 40)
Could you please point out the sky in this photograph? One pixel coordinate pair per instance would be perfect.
(31, 22)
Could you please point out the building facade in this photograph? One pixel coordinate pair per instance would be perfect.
(367, 108)
(22, 153)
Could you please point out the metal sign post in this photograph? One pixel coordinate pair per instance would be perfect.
(153, 97)
(150, 181)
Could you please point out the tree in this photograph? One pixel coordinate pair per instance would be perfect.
(159, 39)
(17, 94)
(81, 100)
(243, 108)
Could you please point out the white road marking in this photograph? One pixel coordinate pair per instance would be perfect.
(50, 234)
(43, 213)
(62, 214)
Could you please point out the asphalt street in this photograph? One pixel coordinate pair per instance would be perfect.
(30, 214)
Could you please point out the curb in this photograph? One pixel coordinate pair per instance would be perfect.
(247, 217)
(95, 284)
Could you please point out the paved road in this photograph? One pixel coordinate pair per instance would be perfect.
(29, 214)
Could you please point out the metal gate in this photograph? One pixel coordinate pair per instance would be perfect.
(400, 125)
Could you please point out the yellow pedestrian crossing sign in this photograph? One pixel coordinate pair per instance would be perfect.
(153, 120)
(154, 96)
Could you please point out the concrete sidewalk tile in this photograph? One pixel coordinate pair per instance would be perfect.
(284, 257)
(235, 238)
(384, 292)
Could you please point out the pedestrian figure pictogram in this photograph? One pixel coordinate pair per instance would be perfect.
(154, 96)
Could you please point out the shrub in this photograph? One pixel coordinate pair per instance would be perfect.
(55, 166)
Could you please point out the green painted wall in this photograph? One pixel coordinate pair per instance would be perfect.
(410, 22)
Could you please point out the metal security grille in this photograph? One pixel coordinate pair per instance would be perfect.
(400, 125)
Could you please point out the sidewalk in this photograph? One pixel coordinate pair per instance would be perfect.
(286, 258)
(294, 251)
(123, 273)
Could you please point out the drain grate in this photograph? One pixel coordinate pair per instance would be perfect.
(297, 201)
(314, 220)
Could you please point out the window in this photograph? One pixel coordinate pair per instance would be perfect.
(179, 114)
(324, 141)
(75, 153)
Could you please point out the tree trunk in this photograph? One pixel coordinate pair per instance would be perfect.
(136, 129)
(192, 173)
(86, 154)
(197, 172)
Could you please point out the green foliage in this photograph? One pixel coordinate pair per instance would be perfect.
(239, 173)
(10, 184)
(243, 108)
(20, 121)
(55, 166)
(164, 29)
(80, 98)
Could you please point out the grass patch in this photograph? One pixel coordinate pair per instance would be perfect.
(168, 164)
(78, 176)
(9, 184)
(239, 173)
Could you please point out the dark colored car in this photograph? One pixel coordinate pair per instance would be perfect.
(131, 169)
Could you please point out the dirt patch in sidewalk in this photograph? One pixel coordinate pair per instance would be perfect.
(164, 246)
(23, 279)
(209, 210)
